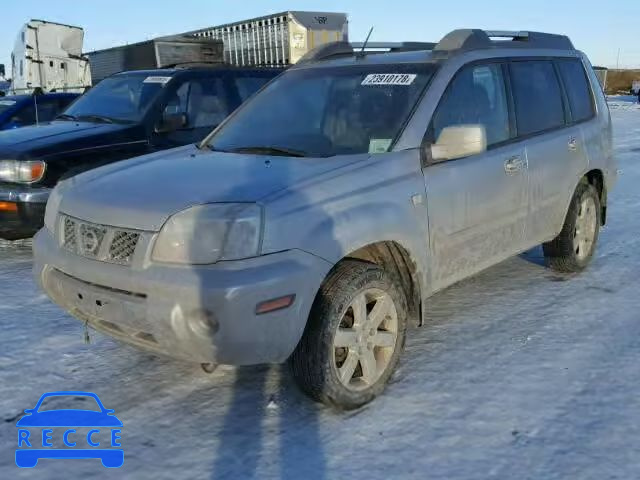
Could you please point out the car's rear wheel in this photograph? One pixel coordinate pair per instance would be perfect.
(573, 248)
(354, 336)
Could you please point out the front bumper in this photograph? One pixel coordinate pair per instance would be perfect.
(195, 313)
(21, 211)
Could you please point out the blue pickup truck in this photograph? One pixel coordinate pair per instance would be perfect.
(22, 110)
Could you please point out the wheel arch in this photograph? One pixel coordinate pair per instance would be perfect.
(595, 177)
(398, 262)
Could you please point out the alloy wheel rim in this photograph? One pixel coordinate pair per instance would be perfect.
(585, 228)
(365, 339)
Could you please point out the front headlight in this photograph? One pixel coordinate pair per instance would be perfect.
(208, 233)
(22, 171)
(52, 209)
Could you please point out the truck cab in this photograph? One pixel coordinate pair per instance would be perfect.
(48, 56)
(125, 115)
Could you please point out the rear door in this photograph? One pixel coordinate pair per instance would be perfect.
(477, 206)
(554, 146)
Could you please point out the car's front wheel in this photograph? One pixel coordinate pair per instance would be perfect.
(354, 336)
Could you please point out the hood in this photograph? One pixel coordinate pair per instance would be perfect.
(144, 192)
(57, 137)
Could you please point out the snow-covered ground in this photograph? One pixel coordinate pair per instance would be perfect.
(623, 102)
(521, 373)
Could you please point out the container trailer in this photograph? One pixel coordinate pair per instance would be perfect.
(278, 39)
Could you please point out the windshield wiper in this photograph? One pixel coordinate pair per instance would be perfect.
(96, 118)
(269, 150)
(65, 116)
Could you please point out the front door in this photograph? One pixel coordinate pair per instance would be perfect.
(203, 101)
(477, 205)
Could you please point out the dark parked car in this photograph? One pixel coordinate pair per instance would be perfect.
(22, 110)
(123, 116)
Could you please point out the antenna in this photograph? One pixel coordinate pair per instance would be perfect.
(366, 40)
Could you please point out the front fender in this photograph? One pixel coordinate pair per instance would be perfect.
(380, 199)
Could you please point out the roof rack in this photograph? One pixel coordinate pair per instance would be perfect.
(456, 41)
(476, 39)
(333, 49)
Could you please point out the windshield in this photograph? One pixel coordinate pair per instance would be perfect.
(325, 112)
(122, 98)
(63, 402)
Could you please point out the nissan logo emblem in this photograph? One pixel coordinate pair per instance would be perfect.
(89, 241)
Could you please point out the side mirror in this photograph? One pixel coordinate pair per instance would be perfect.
(171, 122)
(459, 141)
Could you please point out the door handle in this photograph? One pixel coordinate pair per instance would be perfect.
(514, 165)
(573, 144)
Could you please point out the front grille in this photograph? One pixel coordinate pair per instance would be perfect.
(69, 234)
(123, 245)
(99, 242)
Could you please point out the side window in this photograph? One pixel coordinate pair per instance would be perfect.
(64, 102)
(476, 96)
(247, 86)
(25, 116)
(177, 102)
(537, 96)
(577, 87)
(47, 110)
(204, 101)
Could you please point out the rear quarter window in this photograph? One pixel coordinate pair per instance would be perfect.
(47, 110)
(577, 87)
(248, 85)
(537, 96)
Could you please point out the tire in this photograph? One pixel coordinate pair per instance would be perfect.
(566, 253)
(319, 359)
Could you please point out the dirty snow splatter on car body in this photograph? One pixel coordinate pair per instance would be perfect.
(520, 372)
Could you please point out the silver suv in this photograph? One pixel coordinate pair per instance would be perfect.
(312, 225)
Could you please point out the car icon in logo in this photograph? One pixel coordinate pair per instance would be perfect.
(37, 428)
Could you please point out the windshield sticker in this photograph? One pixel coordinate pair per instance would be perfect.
(162, 80)
(7, 102)
(379, 145)
(389, 79)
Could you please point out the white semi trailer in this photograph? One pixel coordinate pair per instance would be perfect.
(278, 39)
(48, 56)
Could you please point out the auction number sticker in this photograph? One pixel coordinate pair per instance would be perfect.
(389, 79)
(162, 80)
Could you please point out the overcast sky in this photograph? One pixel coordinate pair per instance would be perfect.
(595, 27)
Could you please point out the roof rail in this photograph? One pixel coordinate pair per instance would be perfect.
(519, 35)
(454, 42)
(333, 49)
(476, 39)
(394, 46)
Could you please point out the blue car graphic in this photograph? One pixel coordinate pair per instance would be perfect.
(28, 457)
